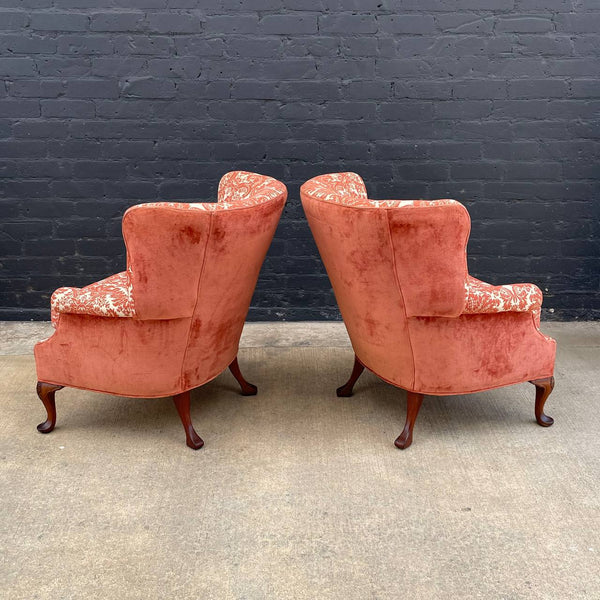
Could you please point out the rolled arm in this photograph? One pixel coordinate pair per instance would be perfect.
(482, 297)
(110, 297)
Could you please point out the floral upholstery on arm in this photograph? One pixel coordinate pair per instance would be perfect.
(483, 297)
(110, 297)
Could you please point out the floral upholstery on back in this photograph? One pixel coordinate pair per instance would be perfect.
(237, 189)
(343, 188)
(241, 188)
(349, 189)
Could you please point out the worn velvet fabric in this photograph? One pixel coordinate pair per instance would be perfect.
(414, 314)
(173, 320)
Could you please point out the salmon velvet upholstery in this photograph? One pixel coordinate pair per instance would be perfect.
(414, 315)
(172, 321)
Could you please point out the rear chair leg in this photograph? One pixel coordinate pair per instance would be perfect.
(413, 405)
(543, 388)
(248, 389)
(46, 393)
(345, 390)
(182, 404)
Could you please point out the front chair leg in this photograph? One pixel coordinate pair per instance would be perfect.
(345, 390)
(543, 388)
(248, 389)
(46, 393)
(413, 405)
(182, 404)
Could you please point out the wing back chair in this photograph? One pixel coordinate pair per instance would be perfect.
(414, 315)
(172, 321)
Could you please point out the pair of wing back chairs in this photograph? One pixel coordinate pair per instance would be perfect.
(173, 320)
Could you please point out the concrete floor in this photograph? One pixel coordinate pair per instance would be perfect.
(298, 494)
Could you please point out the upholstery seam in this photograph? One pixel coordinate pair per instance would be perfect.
(399, 288)
(187, 344)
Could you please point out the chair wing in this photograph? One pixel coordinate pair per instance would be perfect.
(166, 244)
(429, 240)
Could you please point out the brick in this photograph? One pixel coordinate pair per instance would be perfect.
(346, 24)
(99, 170)
(92, 88)
(186, 67)
(524, 25)
(479, 89)
(409, 23)
(73, 109)
(406, 110)
(154, 45)
(326, 90)
(365, 90)
(262, 47)
(292, 24)
(54, 21)
(537, 88)
(117, 21)
(588, 22)
(84, 45)
(27, 44)
(19, 108)
(40, 129)
(349, 110)
(585, 88)
(13, 21)
(17, 67)
(174, 23)
(128, 67)
(470, 109)
(398, 68)
(456, 22)
(63, 67)
(259, 90)
(222, 24)
(147, 87)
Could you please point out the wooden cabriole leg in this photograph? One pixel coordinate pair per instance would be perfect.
(413, 405)
(248, 389)
(543, 388)
(182, 404)
(345, 390)
(46, 393)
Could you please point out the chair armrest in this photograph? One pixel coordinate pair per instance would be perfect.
(110, 297)
(484, 298)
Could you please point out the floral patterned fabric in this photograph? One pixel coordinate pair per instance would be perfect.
(237, 189)
(111, 297)
(486, 298)
(344, 188)
(247, 189)
(349, 189)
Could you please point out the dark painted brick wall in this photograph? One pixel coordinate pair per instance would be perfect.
(107, 103)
